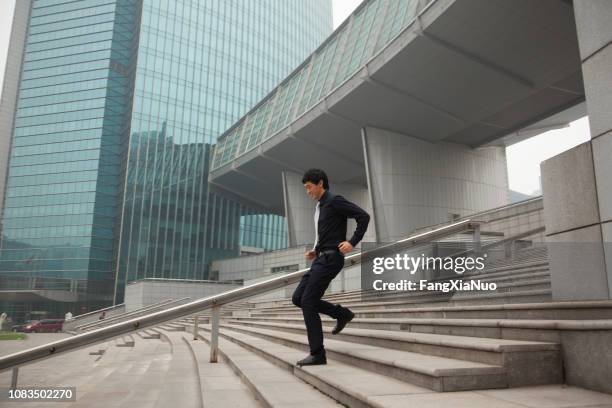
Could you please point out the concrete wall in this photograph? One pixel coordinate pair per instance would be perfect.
(10, 87)
(255, 266)
(360, 196)
(576, 246)
(595, 41)
(577, 185)
(300, 208)
(587, 358)
(415, 183)
(147, 292)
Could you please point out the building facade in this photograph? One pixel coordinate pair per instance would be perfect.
(118, 105)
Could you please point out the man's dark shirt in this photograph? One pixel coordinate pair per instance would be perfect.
(331, 228)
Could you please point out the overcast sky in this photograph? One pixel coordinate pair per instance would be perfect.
(523, 158)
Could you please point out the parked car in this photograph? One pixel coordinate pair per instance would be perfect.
(21, 327)
(45, 326)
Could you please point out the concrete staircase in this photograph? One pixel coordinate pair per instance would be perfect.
(433, 341)
(402, 349)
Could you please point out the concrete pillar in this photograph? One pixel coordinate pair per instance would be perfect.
(415, 183)
(573, 229)
(576, 184)
(359, 195)
(299, 208)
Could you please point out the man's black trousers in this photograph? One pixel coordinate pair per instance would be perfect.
(309, 292)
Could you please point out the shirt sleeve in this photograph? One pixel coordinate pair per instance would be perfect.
(350, 210)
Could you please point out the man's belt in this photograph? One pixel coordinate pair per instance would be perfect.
(329, 250)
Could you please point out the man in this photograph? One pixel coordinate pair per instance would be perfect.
(327, 254)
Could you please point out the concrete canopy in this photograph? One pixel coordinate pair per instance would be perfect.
(471, 72)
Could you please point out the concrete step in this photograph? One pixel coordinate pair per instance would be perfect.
(273, 386)
(181, 383)
(349, 385)
(434, 373)
(517, 255)
(171, 327)
(507, 287)
(588, 310)
(508, 272)
(150, 379)
(405, 297)
(504, 276)
(150, 334)
(530, 265)
(541, 359)
(126, 341)
(508, 282)
(512, 329)
(513, 266)
(449, 299)
(523, 276)
(221, 386)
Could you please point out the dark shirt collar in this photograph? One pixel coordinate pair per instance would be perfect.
(324, 197)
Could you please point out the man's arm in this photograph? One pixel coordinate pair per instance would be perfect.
(350, 210)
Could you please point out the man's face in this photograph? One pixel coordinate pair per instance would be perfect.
(314, 191)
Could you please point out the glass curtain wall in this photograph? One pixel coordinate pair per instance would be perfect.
(62, 189)
(202, 64)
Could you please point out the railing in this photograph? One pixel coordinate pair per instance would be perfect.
(134, 313)
(93, 312)
(89, 316)
(509, 244)
(13, 361)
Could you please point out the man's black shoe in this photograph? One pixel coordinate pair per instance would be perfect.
(343, 321)
(316, 359)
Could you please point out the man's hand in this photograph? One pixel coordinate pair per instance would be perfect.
(345, 247)
(310, 254)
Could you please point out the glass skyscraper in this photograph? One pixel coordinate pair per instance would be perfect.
(119, 104)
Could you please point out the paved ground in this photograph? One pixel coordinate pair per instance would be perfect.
(33, 340)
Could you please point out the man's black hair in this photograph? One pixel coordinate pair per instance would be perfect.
(314, 176)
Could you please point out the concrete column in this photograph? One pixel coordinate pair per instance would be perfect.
(573, 230)
(360, 196)
(415, 183)
(576, 184)
(299, 208)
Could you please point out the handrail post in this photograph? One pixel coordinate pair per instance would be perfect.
(214, 334)
(509, 249)
(14, 378)
(477, 242)
(195, 327)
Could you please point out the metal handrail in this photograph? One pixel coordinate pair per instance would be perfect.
(107, 321)
(95, 336)
(504, 241)
(93, 312)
